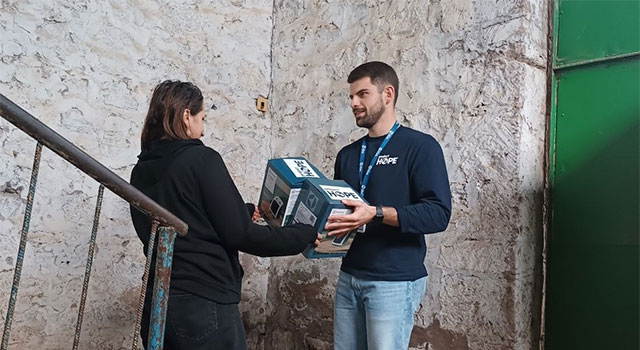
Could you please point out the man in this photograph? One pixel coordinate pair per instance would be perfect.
(402, 174)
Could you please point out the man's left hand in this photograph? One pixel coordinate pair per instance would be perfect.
(340, 225)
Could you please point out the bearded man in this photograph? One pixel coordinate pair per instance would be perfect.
(402, 174)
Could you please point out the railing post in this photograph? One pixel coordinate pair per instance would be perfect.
(23, 244)
(87, 270)
(145, 281)
(161, 284)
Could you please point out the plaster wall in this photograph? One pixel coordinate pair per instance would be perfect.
(87, 70)
(472, 74)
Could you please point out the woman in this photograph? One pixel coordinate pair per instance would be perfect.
(191, 180)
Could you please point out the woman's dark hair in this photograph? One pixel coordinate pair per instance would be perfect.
(164, 118)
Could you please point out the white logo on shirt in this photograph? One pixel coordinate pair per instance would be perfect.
(387, 160)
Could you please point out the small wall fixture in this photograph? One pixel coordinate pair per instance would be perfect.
(262, 103)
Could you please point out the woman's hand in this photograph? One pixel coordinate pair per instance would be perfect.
(256, 214)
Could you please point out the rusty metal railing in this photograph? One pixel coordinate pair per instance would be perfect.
(167, 224)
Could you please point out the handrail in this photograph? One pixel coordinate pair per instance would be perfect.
(67, 150)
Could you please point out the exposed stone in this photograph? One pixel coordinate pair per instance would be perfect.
(303, 306)
(436, 338)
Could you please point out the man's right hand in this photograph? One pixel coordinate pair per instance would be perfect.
(340, 225)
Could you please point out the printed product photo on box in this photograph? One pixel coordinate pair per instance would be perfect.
(319, 199)
(282, 181)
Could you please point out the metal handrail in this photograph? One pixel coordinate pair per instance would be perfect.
(67, 150)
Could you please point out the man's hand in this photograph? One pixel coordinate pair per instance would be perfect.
(343, 224)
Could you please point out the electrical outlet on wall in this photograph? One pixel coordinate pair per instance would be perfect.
(262, 103)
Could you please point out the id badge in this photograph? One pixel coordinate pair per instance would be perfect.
(361, 229)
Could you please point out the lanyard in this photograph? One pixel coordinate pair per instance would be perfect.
(363, 150)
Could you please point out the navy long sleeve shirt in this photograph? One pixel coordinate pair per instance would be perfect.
(411, 176)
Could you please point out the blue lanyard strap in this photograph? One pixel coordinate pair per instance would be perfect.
(363, 150)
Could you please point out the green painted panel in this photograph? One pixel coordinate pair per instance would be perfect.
(590, 29)
(592, 293)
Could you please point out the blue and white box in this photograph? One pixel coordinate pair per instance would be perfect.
(319, 199)
(282, 182)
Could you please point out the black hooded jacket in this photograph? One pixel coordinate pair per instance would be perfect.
(192, 182)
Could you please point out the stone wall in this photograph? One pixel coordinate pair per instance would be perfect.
(472, 74)
(87, 70)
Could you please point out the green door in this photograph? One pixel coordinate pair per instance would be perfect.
(592, 282)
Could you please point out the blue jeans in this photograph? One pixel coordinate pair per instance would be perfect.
(375, 315)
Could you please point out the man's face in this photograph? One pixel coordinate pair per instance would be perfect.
(366, 102)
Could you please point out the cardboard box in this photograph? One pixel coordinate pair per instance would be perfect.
(282, 182)
(319, 199)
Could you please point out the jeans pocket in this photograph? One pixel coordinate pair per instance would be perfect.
(192, 317)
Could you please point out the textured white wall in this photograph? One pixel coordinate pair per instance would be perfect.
(472, 74)
(87, 70)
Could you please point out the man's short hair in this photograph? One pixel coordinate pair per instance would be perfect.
(380, 73)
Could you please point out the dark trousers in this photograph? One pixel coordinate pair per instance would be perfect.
(195, 323)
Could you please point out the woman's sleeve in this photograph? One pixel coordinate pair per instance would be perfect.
(228, 215)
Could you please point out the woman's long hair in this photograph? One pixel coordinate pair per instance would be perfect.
(164, 118)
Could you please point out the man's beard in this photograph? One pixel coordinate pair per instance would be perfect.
(372, 115)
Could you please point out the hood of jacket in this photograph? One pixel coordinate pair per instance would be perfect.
(153, 162)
